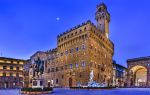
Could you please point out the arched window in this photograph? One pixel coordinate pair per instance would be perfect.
(80, 30)
(77, 48)
(76, 65)
(83, 64)
(83, 46)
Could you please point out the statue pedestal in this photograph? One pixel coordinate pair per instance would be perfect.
(37, 83)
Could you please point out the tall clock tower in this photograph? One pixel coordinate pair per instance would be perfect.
(103, 18)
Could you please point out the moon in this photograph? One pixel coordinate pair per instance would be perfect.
(57, 18)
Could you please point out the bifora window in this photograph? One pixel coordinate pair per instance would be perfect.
(66, 51)
(77, 48)
(71, 66)
(83, 46)
(77, 65)
(83, 64)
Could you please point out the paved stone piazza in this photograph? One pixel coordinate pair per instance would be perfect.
(66, 91)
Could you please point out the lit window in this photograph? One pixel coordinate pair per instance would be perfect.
(20, 62)
(77, 65)
(66, 51)
(8, 61)
(71, 66)
(83, 64)
(15, 62)
(77, 49)
(83, 46)
(1, 61)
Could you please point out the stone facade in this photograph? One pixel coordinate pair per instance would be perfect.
(138, 72)
(26, 68)
(11, 72)
(119, 75)
(83, 48)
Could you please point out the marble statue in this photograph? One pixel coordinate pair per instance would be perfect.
(91, 76)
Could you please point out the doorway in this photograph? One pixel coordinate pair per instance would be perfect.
(6, 85)
(70, 82)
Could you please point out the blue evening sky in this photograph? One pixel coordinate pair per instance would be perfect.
(27, 26)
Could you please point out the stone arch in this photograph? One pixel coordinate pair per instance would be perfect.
(138, 75)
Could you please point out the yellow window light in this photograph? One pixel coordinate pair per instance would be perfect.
(20, 62)
(15, 62)
(1, 61)
(8, 61)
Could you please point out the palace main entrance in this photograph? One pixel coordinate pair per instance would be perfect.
(70, 82)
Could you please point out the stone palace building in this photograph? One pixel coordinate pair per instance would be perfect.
(11, 72)
(83, 48)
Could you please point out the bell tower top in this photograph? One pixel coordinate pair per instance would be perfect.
(102, 17)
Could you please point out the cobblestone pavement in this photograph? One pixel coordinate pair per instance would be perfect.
(123, 91)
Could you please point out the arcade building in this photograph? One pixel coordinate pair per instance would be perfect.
(138, 72)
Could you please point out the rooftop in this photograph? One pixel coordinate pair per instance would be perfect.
(7, 58)
(76, 27)
(138, 59)
(114, 62)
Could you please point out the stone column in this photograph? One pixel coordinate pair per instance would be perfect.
(148, 77)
